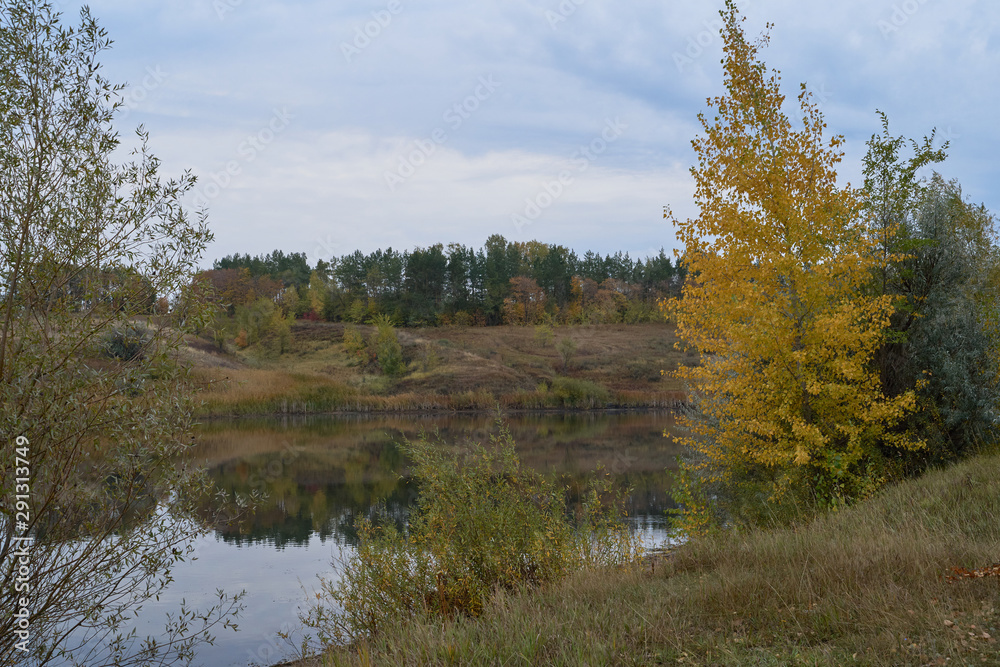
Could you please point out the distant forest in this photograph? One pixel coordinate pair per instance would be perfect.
(502, 283)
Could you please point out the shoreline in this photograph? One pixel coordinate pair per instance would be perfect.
(434, 412)
(902, 578)
(647, 563)
(448, 370)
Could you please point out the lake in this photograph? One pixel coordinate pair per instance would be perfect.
(321, 473)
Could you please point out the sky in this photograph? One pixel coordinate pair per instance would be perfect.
(326, 127)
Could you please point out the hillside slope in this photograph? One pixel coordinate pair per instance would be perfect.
(602, 366)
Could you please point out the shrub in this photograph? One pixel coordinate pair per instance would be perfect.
(354, 343)
(358, 311)
(430, 359)
(566, 347)
(385, 346)
(574, 393)
(220, 330)
(89, 238)
(482, 524)
(543, 335)
(943, 337)
(641, 311)
(643, 369)
(127, 343)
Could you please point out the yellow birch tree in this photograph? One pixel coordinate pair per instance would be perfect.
(774, 303)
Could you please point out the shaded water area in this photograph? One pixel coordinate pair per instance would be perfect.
(322, 473)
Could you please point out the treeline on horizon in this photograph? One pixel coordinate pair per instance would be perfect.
(503, 282)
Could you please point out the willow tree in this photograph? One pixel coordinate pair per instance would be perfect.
(789, 406)
(945, 331)
(94, 408)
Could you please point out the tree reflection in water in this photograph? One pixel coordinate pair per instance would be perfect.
(320, 474)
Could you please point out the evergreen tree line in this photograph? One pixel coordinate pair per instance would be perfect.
(503, 282)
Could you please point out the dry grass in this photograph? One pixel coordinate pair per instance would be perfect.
(448, 368)
(618, 356)
(865, 586)
(249, 390)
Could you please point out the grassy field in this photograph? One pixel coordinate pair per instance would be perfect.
(447, 368)
(871, 585)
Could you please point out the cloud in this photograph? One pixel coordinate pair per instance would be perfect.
(563, 68)
(336, 198)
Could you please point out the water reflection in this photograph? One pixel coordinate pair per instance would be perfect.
(320, 474)
(313, 490)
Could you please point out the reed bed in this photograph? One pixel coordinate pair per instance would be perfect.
(256, 392)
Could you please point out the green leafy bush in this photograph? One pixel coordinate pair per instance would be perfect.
(482, 523)
(263, 323)
(543, 335)
(944, 336)
(574, 393)
(385, 344)
(354, 343)
(382, 349)
(127, 342)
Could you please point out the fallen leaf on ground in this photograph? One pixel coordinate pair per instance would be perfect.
(979, 573)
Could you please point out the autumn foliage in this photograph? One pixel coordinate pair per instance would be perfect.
(790, 406)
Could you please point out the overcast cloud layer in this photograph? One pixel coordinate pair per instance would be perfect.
(324, 127)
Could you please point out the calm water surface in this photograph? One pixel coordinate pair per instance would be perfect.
(321, 474)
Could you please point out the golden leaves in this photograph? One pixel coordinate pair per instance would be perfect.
(776, 259)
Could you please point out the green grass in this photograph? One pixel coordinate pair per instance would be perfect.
(864, 586)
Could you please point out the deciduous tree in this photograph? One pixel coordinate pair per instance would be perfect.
(526, 303)
(773, 304)
(942, 267)
(89, 390)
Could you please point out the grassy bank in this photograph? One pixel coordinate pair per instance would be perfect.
(247, 392)
(447, 368)
(865, 586)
